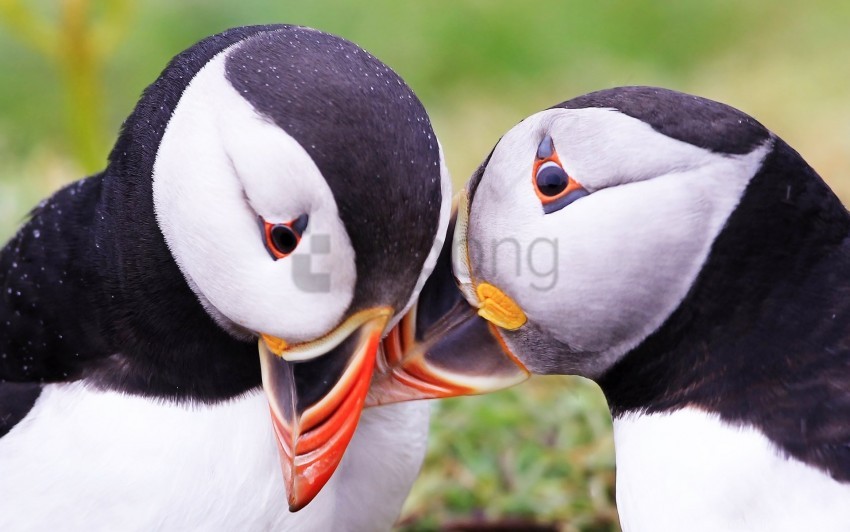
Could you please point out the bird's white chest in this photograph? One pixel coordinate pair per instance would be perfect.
(91, 460)
(688, 470)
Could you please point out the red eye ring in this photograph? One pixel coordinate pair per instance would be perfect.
(281, 239)
(553, 185)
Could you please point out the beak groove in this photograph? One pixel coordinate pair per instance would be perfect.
(444, 347)
(467, 356)
(314, 415)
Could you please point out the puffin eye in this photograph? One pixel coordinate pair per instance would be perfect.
(553, 186)
(284, 239)
(281, 239)
(551, 179)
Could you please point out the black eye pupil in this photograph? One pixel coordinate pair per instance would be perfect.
(551, 180)
(284, 239)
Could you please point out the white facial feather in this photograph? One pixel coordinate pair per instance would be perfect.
(605, 271)
(221, 165)
(721, 477)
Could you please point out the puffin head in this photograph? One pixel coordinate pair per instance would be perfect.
(580, 234)
(302, 193)
(604, 220)
(617, 197)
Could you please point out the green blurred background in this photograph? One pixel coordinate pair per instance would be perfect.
(542, 452)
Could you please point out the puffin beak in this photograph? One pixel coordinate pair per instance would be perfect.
(460, 354)
(316, 392)
(449, 343)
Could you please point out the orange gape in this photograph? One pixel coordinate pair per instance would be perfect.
(510, 354)
(498, 308)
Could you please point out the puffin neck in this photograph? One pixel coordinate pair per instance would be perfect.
(738, 337)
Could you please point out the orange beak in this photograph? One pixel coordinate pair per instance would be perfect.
(445, 347)
(315, 403)
(465, 356)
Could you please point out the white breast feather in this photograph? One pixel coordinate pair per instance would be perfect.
(689, 471)
(91, 460)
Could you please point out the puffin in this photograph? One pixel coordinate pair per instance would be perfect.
(689, 261)
(277, 191)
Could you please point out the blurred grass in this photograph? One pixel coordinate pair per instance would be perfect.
(538, 452)
(542, 450)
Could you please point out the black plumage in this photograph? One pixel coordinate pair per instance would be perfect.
(763, 336)
(348, 144)
(699, 121)
(86, 280)
(90, 289)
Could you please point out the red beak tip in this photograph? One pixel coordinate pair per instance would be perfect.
(298, 498)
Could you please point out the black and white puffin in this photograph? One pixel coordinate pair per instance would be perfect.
(275, 184)
(677, 252)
